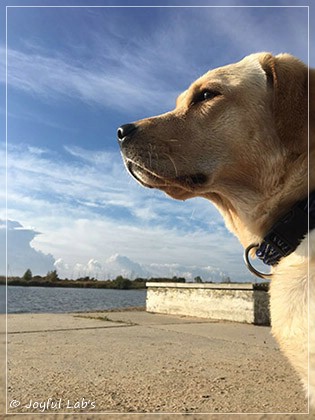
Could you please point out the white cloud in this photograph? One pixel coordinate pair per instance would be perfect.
(58, 77)
(121, 265)
(92, 181)
(61, 266)
(33, 176)
(20, 254)
(152, 248)
(117, 265)
(162, 253)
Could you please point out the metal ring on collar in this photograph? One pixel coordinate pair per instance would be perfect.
(249, 265)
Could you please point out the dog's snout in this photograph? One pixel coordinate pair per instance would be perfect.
(125, 131)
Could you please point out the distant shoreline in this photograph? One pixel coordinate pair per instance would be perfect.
(75, 284)
(52, 280)
(119, 283)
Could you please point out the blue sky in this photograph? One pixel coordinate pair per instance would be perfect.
(74, 76)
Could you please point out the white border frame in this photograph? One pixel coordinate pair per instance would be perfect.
(6, 191)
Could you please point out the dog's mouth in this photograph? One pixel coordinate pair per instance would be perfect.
(143, 176)
(150, 179)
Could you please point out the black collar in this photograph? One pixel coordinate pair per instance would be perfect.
(284, 236)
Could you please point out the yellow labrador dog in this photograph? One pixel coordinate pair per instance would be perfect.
(239, 137)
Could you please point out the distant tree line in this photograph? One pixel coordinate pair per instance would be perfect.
(52, 280)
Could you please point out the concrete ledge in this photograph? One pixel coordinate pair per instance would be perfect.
(246, 302)
(218, 286)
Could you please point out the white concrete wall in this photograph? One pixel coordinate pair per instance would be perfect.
(230, 302)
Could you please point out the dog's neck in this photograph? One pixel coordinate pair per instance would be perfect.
(251, 226)
(251, 209)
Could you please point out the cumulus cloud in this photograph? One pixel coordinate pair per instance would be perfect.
(20, 253)
(121, 265)
(116, 264)
(61, 265)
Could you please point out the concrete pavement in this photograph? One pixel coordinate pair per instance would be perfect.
(137, 362)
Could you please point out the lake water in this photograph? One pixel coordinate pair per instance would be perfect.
(59, 299)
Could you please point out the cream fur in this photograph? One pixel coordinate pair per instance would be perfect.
(246, 150)
(292, 304)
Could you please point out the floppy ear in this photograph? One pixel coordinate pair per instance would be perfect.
(267, 62)
(288, 78)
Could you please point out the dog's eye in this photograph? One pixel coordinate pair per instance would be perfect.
(205, 95)
(209, 94)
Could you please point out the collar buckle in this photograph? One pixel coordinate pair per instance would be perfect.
(284, 236)
(249, 265)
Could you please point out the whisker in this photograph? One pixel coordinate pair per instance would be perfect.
(150, 152)
(173, 163)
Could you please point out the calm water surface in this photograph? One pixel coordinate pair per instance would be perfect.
(58, 299)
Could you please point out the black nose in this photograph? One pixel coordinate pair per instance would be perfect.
(125, 131)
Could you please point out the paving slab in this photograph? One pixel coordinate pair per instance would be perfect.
(138, 363)
(147, 318)
(21, 323)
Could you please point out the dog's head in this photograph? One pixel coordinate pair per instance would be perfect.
(230, 138)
